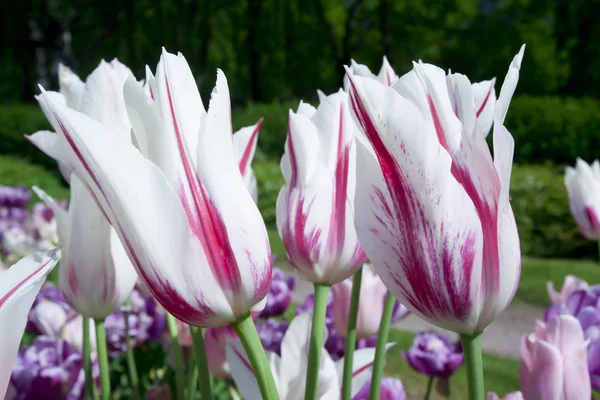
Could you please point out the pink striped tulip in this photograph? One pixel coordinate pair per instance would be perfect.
(315, 208)
(370, 304)
(435, 218)
(289, 369)
(176, 199)
(554, 361)
(570, 286)
(583, 187)
(96, 276)
(18, 287)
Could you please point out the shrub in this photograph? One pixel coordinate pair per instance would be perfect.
(541, 207)
(270, 181)
(16, 121)
(554, 129)
(271, 139)
(16, 171)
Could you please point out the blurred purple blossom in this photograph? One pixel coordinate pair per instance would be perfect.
(391, 389)
(433, 354)
(271, 334)
(584, 305)
(49, 369)
(280, 294)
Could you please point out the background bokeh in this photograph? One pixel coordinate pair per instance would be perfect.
(276, 52)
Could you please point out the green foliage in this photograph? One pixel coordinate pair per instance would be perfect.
(554, 129)
(270, 182)
(18, 120)
(17, 171)
(271, 139)
(541, 207)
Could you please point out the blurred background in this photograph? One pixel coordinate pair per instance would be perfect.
(276, 52)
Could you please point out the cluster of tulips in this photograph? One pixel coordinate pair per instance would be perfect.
(391, 169)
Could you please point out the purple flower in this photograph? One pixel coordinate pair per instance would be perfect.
(391, 389)
(271, 334)
(49, 369)
(584, 305)
(146, 323)
(280, 294)
(433, 354)
(14, 196)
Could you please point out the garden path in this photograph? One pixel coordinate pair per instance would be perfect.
(501, 338)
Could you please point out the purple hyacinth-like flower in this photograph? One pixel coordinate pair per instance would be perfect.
(584, 305)
(335, 343)
(14, 196)
(49, 369)
(433, 354)
(271, 334)
(146, 320)
(280, 294)
(391, 389)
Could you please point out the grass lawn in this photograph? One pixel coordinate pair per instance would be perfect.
(501, 375)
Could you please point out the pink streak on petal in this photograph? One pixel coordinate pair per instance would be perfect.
(204, 218)
(485, 100)
(418, 244)
(245, 160)
(166, 295)
(487, 212)
(337, 220)
(592, 217)
(12, 291)
(243, 360)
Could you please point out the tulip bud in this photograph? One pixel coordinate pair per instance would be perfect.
(554, 361)
(370, 304)
(96, 276)
(315, 208)
(583, 188)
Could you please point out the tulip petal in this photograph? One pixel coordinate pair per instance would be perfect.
(98, 280)
(418, 226)
(386, 75)
(299, 162)
(508, 88)
(484, 95)
(53, 146)
(18, 287)
(71, 86)
(111, 167)
(547, 377)
(102, 98)
(243, 262)
(361, 367)
(244, 142)
(241, 370)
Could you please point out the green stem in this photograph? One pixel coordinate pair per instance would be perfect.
(429, 386)
(381, 346)
(201, 363)
(192, 378)
(103, 359)
(351, 336)
(90, 393)
(133, 375)
(599, 250)
(472, 349)
(246, 330)
(176, 348)
(316, 341)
